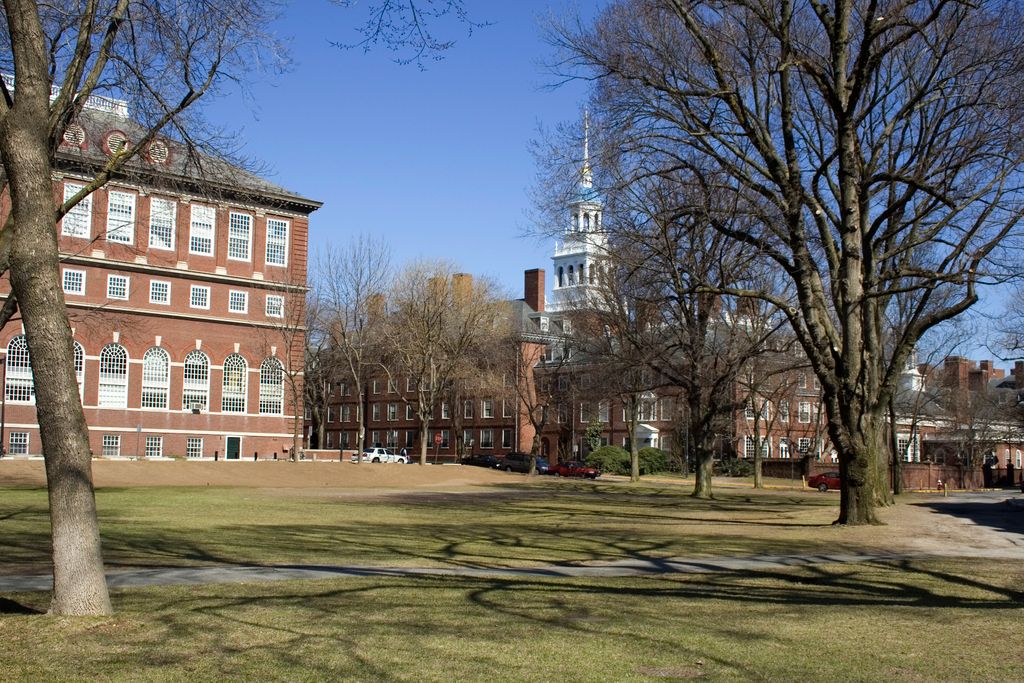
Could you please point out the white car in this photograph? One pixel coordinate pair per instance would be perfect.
(381, 455)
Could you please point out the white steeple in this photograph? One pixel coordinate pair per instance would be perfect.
(578, 256)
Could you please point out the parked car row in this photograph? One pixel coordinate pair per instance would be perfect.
(520, 462)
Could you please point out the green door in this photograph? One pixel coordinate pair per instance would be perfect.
(234, 445)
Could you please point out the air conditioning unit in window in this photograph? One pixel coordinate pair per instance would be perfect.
(197, 408)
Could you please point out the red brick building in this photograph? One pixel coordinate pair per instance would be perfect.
(184, 280)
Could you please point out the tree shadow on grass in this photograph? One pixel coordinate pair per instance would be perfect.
(8, 606)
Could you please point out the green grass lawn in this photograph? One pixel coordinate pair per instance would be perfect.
(516, 525)
(908, 621)
(915, 621)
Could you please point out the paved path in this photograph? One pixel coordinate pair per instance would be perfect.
(989, 509)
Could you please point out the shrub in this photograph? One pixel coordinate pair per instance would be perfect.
(735, 467)
(610, 459)
(652, 460)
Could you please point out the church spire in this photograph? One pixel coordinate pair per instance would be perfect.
(586, 175)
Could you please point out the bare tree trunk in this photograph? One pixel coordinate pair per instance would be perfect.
(705, 462)
(79, 584)
(424, 433)
(858, 470)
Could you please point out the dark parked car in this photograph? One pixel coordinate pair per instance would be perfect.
(480, 460)
(574, 468)
(824, 481)
(520, 462)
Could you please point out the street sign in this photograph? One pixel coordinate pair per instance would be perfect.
(437, 439)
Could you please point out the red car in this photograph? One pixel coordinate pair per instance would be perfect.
(574, 468)
(824, 481)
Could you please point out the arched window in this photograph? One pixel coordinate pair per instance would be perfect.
(233, 394)
(572, 276)
(575, 222)
(195, 392)
(80, 368)
(113, 377)
(561, 275)
(156, 378)
(586, 222)
(19, 371)
(271, 387)
(590, 271)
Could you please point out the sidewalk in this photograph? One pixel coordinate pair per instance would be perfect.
(620, 568)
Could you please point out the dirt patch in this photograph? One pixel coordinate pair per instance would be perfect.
(265, 474)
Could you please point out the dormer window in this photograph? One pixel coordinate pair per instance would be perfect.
(543, 323)
(116, 142)
(74, 135)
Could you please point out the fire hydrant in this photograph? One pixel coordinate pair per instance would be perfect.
(942, 487)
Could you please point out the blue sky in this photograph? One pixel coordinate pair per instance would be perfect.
(436, 161)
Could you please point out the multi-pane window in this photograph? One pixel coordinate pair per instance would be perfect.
(444, 438)
(154, 446)
(506, 438)
(233, 396)
(194, 447)
(19, 371)
(271, 387)
(803, 445)
(275, 307)
(201, 235)
(410, 438)
(239, 236)
(330, 439)
(446, 412)
(392, 412)
(346, 413)
(113, 392)
(277, 242)
(748, 409)
(409, 413)
(121, 217)
(487, 408)
(784, 410)
(78, 221)
(375, 412)
(506, 408)
(486, 438)
(602, 411)
(160, 292)
(79, 368)
(74, 281)
(238, 302)
(784, 447)
(162, 218)
(195, 392)
(748, 447)
(117, 286)
(908, 447)
(467, 438)
(804, 412)
(392, 438)
(18, 444)
(111, 445)
(467, 409)
(156, 378)
(199, 297)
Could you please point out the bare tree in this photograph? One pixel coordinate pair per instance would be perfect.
(436, 319)
(352, 282)
(871, 146)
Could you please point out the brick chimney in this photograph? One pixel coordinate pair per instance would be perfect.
(1018, 374)
(533, 289)
(954, 372)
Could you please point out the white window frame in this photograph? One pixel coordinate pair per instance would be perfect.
(111, 278)
(154, 446)
(113, 386)
(155, 226)
(156, 379)
(80, 215)
(121, 222)
(195, 289)
(487, 438)
(64, 280)
(203, 220)
(237, 224)
(274, 242)
(234, 384)
(279, 301)
(111, 445)
(18, 443)
(271, 387)
(194, 447)
(244, 296)
(804, 412)
(152, 300)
